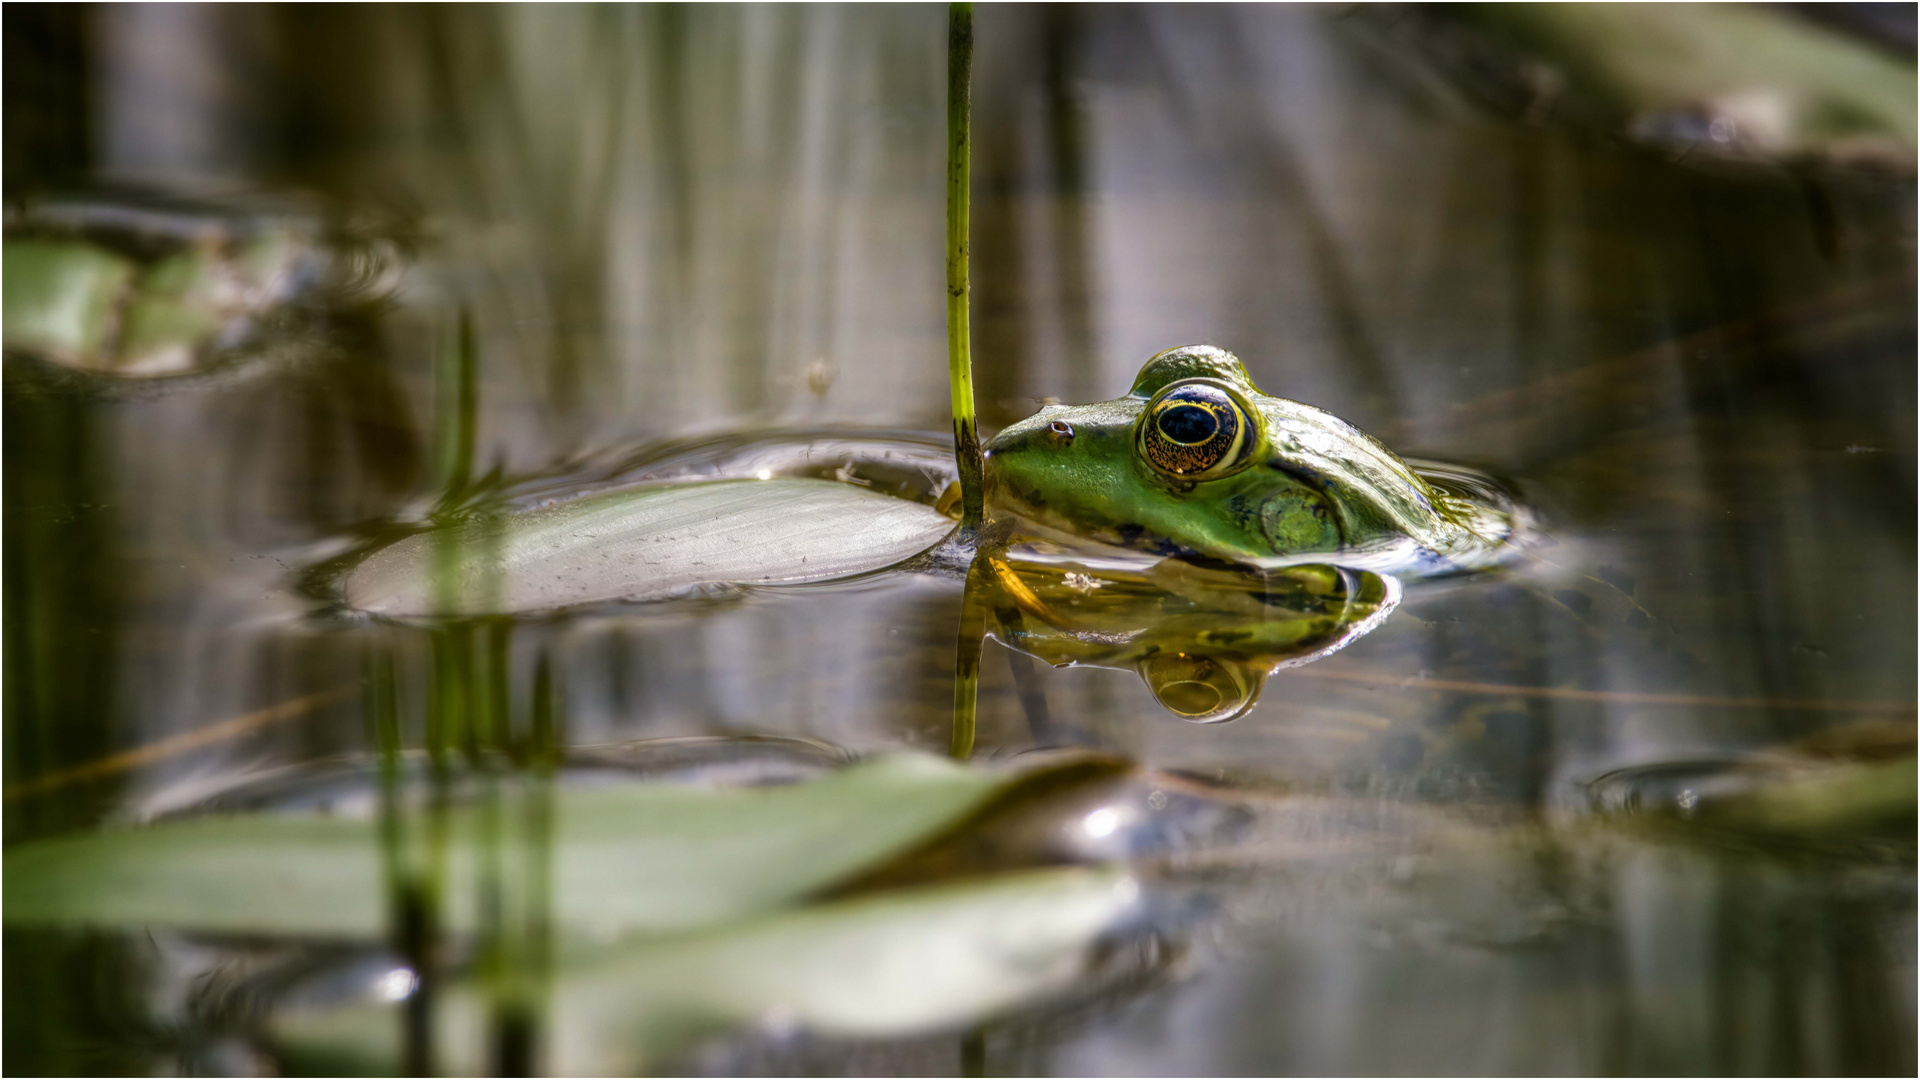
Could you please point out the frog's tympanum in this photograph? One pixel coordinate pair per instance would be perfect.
(1203, 639)
(1196, 462)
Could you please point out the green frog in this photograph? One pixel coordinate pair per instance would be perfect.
(1196, 462)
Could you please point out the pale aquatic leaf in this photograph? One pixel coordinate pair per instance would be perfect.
(648, 543)
(889, 965)
(641, 857)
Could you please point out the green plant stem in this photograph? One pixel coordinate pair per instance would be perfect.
(966, 436)
(966, 663)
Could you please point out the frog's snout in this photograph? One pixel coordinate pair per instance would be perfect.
(1029, 434)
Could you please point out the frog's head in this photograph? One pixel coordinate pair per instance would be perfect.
(1196, 460)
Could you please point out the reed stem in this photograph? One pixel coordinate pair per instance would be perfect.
(966, 437)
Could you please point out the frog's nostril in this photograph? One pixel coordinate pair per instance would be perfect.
(1061, 430)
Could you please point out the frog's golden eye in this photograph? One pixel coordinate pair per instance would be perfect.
(1195, 431)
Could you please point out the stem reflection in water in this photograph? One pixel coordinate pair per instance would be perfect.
(474, 756)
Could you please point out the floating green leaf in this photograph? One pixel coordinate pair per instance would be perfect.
(628, 857)
(654, 542)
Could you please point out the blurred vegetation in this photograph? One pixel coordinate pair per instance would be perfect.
(1617, 810)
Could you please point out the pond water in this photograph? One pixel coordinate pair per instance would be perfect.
(285, 286)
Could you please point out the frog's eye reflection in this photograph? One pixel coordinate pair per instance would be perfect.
(1201, 688)
(1194, 430)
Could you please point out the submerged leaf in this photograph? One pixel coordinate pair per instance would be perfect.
(648, 543)
(895, 964)
(627, 857)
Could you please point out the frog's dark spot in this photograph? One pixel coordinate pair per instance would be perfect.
(1617, 578)
(1402, 751)
(1228, 637)
(1131, 532)
(1577, 602)
(1638, 619)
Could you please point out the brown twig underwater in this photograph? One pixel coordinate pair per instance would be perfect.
(180, 744)
(1618, 697)
(1622, 369)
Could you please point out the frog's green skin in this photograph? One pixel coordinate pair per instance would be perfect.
(1311, 487)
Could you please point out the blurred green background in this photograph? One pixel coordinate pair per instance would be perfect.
(1656, 264)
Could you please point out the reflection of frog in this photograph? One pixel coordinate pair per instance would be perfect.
(1203, 640)
(1195, 460)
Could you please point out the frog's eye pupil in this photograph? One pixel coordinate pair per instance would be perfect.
(1195, 430)
(1188, 424)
